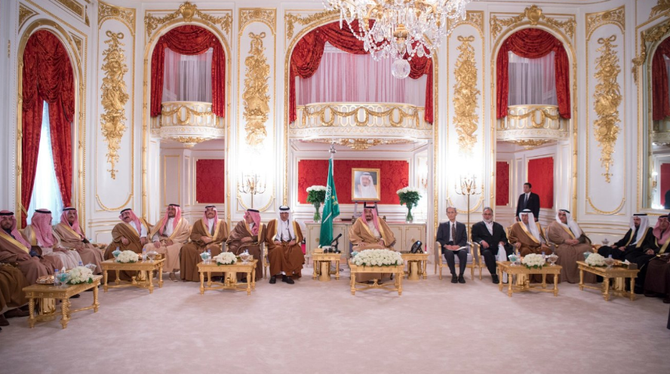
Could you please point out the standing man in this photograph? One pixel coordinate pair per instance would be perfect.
(42, 237)
(284, 251)
(209, 232)
(528, 200)
(14, 248)
(129, 235)
(492, 240)
(168, 236)
(248, 235)
(453, 238)
(72, 237)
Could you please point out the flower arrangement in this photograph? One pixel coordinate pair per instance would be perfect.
(316, 195)
(596, 260)
(225, 258)
(377, 257)
(79, 275)
(410, 197)
(127, 257)
(533, 260)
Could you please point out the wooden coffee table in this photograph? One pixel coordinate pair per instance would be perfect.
(44, 292)
(416, 265)
(619, 273)
(398, 270)
(143, 279)
(523, 281)
(230, 281)
(322, 261)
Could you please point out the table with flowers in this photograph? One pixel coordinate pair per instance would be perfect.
(619, 272)
(371, 261)
(522, 273)
(145, 272)
(228, 263)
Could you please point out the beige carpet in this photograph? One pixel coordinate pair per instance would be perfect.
(314, 327)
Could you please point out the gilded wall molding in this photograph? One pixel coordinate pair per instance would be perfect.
(661, 6)
(114, 97)
(291, 19)
(615, 16)
(647, 38)
(607, 98)
(534, 16)
(466, 95)
(473, 18)
(76, 8)
(25, 14)
(124, 15)
(187, 11)
(79, 42)
(255, 96)
(267, 16)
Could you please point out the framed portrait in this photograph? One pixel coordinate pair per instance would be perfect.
(365, 185)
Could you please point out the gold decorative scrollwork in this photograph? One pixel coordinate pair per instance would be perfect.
(75, 7)
(367, 112)
(360, 144)
(189, 141)
(544, 114)
(534, 16)
(268, 16)
(474, 18)
(607, 98)
(529, 144)
(465, 95)
(615, 16)
(187, 11)
(24, 14)
(661, 6)
(193, 116)
(649, 37)
(291, 19)
(114, 97)
(109, 11)
(255, 96)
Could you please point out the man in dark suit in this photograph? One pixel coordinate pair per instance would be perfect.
(453, 237)
(490, 236)
(528, 200)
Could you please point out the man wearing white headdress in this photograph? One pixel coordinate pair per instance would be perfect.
(571, 243)
(527, 236)
(208, 233)
(284, 251)
(639, 235)
(366, 188)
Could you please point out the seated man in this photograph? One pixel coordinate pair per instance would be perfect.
(12, 296)
(284, 251)
(453, 238)
(248, 235)
(638, 236)
(129, 235)
(208, 232)
(492, 240)
(642, 255)
(168, 236)
(526, 235)
(15, 249)
(370, 232)
(571, 243)
(657, 282)
(42, 238)
(72, 237)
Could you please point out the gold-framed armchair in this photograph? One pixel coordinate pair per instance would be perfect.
(470, 263)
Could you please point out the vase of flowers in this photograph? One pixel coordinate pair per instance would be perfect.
(225, 258)
(410, 197)
(79, 275)
(377, 257)
(533, 261)
(316, 195)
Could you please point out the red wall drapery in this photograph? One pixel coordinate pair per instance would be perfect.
(210, 181)
(659, 85)
(47, 76)
(502, 183)
(541, 177)
(189, 40)
(394, 176)
(307, 54)
(533, 43)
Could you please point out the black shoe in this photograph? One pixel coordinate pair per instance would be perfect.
(495, 279)
(273, 279)
(3, 320)
(75, 296)
(461, 279)
(287, 279)
(454, 279)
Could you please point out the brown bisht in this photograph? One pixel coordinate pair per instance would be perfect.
(283, 256)
(236, 246)
(190, 252)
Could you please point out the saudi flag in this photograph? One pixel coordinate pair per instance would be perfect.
(331, 208)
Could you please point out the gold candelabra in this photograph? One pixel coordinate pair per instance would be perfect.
(252, 185)
(468, 187)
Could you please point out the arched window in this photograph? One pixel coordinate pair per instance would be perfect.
(660, 74)
(532, 80)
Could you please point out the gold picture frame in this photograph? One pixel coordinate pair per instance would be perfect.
(369, 188)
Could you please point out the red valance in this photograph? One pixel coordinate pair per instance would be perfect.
(533, 43)
(307, 54)
(189, 40)
(47, 76)
(659, 85)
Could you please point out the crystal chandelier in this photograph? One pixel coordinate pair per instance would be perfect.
(402, 29)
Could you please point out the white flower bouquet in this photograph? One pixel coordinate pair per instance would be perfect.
(596, 260)
(533, 260)
(316, 195)
(225, 258)
(127, 257)
(80, 274)
(409, 196)
(377, 257)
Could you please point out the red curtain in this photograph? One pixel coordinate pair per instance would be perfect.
(541, 177)
(394, 175)
(659, 86)
(307, 54)
(502, 183)
(189, 40)
(210, 178)
(47, 76)
(533, 43)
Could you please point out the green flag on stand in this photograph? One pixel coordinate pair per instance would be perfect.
(331, 207)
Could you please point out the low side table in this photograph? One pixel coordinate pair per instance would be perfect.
(143, 281)
(43, 291)
(506, 267)
(321, 264)
(398, 270)
(230, 281)
(618, 273)
(416, 265)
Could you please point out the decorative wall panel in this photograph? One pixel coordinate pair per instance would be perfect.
(210, 181)
(541, 177)
(502, 183)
